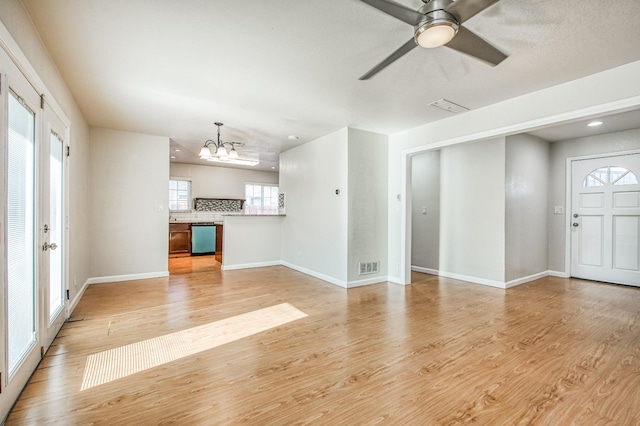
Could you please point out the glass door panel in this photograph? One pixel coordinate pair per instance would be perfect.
(56, 225)
(20, 248)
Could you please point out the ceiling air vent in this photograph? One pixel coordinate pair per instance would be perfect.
(449, 106)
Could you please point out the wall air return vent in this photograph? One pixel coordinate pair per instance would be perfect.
(365, 268)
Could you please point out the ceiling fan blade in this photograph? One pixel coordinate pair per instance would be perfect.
(403, 50)
(465, 9)
(396, 10)
(471, 44)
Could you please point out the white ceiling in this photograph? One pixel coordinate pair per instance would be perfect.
(269, 69)
(578, 129)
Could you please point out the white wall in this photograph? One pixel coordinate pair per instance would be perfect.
(472, 212)
(611, 90)
(251, 241)
(19, 25)
(219, 182)
(128, 182)
(560, 151)
(425, 228)
(314, 232)
(527, 212)
(367, 223)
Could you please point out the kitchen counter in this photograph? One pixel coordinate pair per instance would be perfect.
(208, 221)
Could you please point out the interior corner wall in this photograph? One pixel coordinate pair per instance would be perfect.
(559, 152)
(472, 215)
(17, 22)
(314, 231)
(425, 210)
(526, 206)
(220, 182)
(129, 211)
(367, 190)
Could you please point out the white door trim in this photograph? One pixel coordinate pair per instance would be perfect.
(568, 194)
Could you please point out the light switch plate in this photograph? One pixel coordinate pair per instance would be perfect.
(558, 210)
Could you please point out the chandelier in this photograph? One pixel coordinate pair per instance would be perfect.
(223, 152)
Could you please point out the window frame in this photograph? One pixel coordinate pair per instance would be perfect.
(189, 207)
(249, 208)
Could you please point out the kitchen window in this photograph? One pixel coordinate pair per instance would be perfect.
(261, 199)
(179, 195)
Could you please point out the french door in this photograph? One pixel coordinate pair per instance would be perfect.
(605, 219)
(32, 242)
(52, 226)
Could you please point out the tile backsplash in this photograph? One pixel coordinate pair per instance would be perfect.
(217, 205)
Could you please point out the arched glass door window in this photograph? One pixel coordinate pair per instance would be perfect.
(610, 175)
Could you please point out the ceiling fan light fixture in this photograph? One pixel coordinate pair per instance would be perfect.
(436, 32)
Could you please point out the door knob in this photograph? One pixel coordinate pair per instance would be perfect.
(576, 215)
(47, 246)
(575, 224)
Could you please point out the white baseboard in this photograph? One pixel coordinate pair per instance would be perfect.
(527, 279)
(323, 277)
(491, 283)
(369, 281)
(558, 274)
(315, 274)
(131, 277)
(474, 280)
(425, 270)
(395, 280)
(251, 265)
(76, 299)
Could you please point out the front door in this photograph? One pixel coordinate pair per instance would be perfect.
(605, 219)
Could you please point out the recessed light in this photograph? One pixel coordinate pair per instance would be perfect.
(293, 138)
(173, 156)
(176, 150)
(595, 123)
(273, 167)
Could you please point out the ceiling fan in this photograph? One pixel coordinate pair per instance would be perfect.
(439, 23)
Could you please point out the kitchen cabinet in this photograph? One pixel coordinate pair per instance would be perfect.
(219, 243)
(179, 239)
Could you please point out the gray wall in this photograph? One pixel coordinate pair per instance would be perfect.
(367, 223)
(526, 198)
(425, 228)
(560, 151)
(129, 181)
(314, 232)
(472, 216)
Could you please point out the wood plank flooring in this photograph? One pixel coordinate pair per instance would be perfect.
(550, 352)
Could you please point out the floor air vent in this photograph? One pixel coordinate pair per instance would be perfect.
(368, 268)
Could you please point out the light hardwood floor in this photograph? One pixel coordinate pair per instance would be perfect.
(550, 352)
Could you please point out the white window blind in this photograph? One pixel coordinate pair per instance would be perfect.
(20, 231)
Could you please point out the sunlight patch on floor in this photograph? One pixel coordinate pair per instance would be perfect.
(104, 367)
